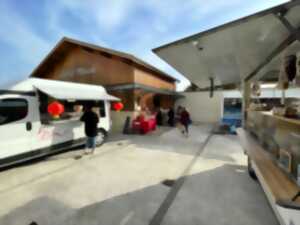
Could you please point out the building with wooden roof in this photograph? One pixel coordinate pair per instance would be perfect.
(137, 83)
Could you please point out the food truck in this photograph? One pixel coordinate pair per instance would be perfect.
(260, 49)
(28, 130)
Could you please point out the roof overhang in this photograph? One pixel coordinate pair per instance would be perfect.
(143, 88)
(248, 48)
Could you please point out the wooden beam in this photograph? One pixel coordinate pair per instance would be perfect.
(294, 35)
(283, 45)
(288, 25)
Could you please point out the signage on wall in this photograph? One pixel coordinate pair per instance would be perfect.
(78, 71)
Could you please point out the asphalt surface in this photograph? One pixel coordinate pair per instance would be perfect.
(161, 178)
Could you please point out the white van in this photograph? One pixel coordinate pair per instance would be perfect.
(27, 131)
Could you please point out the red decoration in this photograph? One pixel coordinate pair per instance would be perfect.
(55, 109)
(118, 106)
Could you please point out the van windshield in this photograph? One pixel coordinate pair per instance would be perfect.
(12, 110)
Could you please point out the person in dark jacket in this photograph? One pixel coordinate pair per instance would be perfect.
(171, 116)
(159, 117)
(91, 121)
(178, 114)
(185, 121)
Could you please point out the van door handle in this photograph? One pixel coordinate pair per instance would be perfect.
(28, 126)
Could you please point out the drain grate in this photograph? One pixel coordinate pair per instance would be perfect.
(168, 183)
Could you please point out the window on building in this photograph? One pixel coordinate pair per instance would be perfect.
(12, 110)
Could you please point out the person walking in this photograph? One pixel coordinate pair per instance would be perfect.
(91, 121)
(159, 117)
(178, 114)
(185, 121)
(171, 116)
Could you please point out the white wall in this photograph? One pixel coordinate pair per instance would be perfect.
(118, 120)
(205, 109)
(202, 108)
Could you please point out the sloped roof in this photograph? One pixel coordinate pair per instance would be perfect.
(250, 47)
(65, 44)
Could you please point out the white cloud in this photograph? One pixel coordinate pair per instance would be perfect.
(15, 32)
(27, 48)
(107, 14)
(117, 24)
(111, 15)
(83, 10)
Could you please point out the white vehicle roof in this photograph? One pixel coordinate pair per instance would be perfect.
(64, 90)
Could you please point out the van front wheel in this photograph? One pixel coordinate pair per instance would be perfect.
(100, 139)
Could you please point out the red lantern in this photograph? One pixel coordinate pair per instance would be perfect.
(118, 106)
(55, 109)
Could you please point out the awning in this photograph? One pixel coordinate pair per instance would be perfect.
(71, 91)
(249, 47)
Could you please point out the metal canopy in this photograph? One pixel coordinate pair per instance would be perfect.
(244, 49)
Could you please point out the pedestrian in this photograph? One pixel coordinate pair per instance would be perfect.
(178, 114)
(185, 121)
(91, 121)
(159, 117)
(171, 116)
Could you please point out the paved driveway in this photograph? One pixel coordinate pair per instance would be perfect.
(123, 184)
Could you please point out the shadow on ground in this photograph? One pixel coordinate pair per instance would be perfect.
(224, 195)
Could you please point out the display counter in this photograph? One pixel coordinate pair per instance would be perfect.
(285, 119)
(281, 191)
(279, 136)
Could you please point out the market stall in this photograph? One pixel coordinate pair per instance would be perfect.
(261, 49)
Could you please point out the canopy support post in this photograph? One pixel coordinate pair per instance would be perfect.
(246, 90)
(212, 87)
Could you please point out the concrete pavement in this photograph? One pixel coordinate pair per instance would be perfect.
(122, 184)
(219, 191)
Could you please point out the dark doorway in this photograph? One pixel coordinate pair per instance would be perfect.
(156, 101)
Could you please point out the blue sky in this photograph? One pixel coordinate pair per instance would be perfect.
(30, 28)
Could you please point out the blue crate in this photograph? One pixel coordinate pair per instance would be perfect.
(233, 123)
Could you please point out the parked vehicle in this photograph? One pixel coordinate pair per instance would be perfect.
(27, 130)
